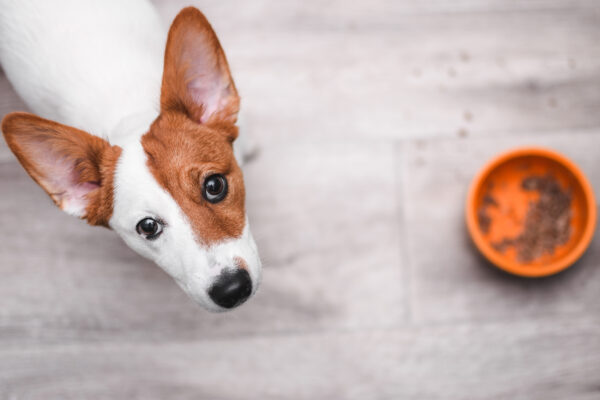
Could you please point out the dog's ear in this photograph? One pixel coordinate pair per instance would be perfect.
(72, 166)
(196, 77)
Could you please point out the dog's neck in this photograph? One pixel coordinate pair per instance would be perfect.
(131, 127)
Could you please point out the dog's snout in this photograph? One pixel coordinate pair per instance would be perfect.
(232, 288)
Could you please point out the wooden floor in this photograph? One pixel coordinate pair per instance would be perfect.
(371, 118)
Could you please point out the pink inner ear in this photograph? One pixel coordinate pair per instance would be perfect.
(74, 200)
(208, 83)
(209, 95)
(61, 181)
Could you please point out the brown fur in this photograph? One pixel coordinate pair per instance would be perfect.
(181, 154)
(240, 263)
(100, 207)
(93, 159)
(187, 143)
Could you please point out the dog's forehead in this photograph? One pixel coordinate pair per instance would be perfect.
(175, 135)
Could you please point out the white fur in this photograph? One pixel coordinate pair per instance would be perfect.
(97, 65)
(84, 63)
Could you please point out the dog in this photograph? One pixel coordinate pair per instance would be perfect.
(134, 135)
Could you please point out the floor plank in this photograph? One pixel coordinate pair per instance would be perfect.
(553, 359)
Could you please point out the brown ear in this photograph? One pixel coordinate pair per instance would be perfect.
(75, 168)
(196, 77)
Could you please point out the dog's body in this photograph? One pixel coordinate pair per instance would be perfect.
(87, 64)
(159, 168)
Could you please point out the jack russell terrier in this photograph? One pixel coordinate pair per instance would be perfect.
(158, 170)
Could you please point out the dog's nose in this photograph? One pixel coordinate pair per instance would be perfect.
(232, 288)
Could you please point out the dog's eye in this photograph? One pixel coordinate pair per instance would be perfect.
(215, 188)
(149, 228)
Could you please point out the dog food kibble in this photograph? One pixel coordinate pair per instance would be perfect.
(547, 220)
(483, 219)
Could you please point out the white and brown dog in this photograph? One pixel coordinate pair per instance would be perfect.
(159, 170)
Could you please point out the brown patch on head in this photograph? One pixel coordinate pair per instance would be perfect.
(181, 155)
(192, 137)
(75, 168)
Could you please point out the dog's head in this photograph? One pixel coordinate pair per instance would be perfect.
(177, 195)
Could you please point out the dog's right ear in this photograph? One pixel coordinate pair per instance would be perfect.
(75, 168)
(196, 77)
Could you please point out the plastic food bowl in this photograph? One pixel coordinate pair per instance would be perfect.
(504, 227)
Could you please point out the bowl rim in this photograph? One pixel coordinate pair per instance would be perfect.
(518, 269)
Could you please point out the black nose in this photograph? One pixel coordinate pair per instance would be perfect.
(232, 288)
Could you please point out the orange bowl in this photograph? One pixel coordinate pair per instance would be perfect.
(531, 212)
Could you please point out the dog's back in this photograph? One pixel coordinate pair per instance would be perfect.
(84, 63)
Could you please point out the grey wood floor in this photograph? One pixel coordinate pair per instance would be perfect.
(371, 118)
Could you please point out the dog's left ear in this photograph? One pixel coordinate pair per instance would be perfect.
(196, 77)
(75, 168)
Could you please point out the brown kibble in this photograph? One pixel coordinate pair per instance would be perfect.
(484, 220)
(503, 244)
(547, 221)
(489, 201)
